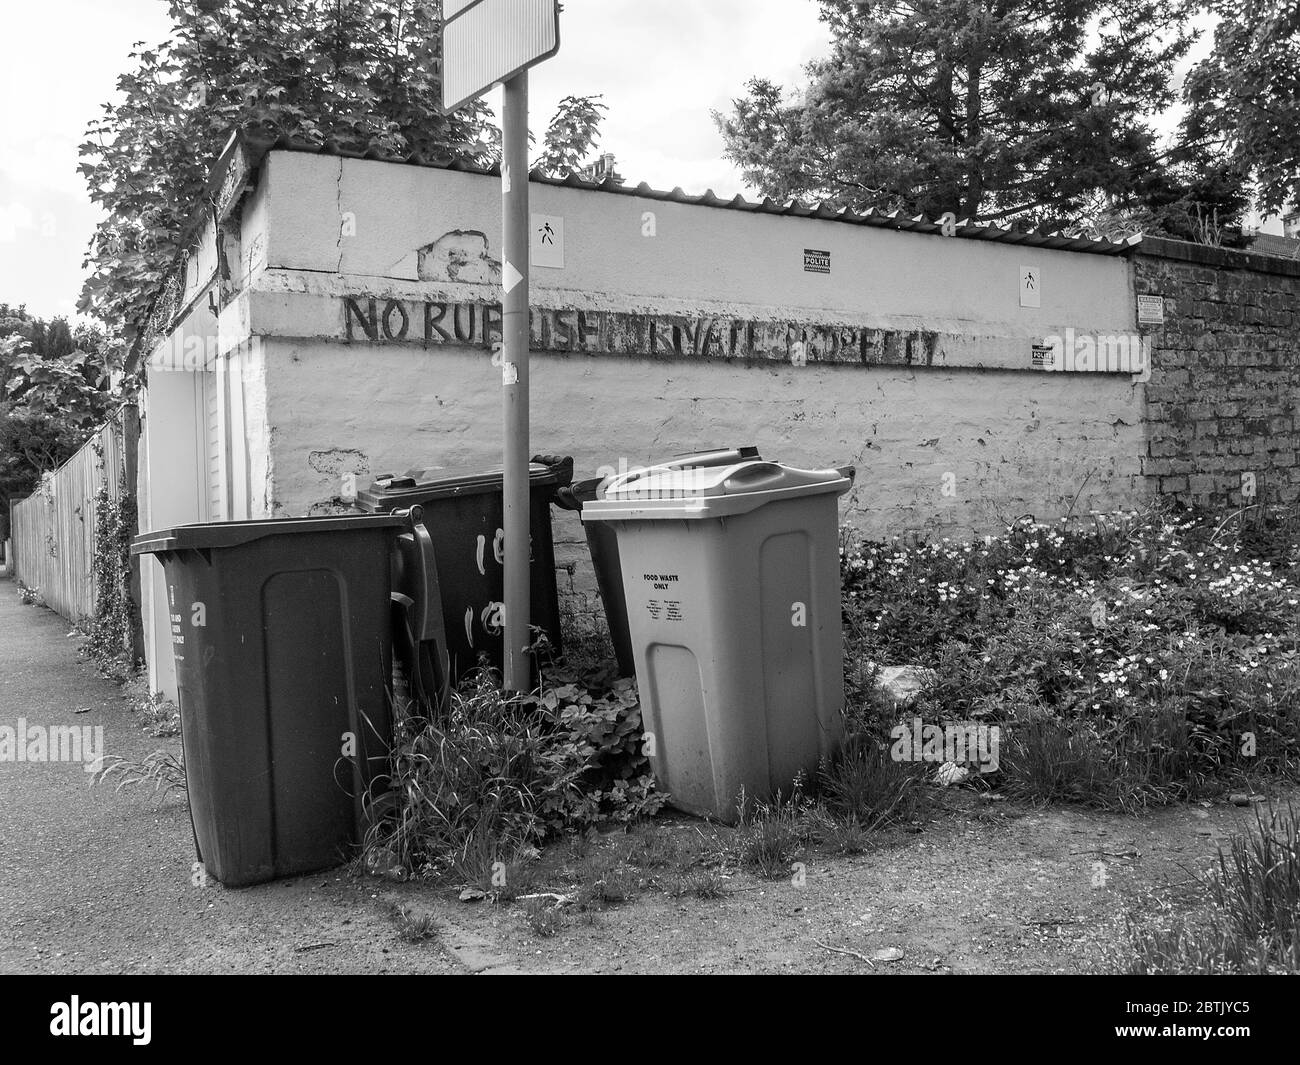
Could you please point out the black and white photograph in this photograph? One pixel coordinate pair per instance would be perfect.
(650, 487)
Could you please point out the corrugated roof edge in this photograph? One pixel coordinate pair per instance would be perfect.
(1058, 240)
(233, 174)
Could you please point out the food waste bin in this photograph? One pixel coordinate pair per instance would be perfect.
(731, 576)
(463, 513)
(281, 635)
(602, 543)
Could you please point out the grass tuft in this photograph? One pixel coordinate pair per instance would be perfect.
(1251, 922)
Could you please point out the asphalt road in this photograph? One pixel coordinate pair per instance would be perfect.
(98, 881)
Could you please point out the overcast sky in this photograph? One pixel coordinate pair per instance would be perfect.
(661, 66)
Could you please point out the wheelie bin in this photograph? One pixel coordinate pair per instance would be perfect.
(731, 576)
(463, 514)
(281, 631)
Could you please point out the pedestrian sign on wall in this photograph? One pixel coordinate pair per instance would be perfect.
(1031, 287)
(546, 243)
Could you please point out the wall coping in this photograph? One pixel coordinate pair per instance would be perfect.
(1204, 255)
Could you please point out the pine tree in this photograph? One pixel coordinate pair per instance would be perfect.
(995, 110)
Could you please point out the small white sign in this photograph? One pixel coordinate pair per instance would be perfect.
(1151, 310)
(1031, 287)
(547, 241)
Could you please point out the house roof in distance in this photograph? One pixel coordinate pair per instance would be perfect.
(1271, 244)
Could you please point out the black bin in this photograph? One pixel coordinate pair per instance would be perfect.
(281, 635)
(463, 513)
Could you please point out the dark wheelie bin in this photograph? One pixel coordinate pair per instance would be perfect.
(281, 634)
(463, 514)
(602, 543)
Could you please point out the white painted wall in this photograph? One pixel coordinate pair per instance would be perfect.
(302, 407)
(171, 491)
(698, 254)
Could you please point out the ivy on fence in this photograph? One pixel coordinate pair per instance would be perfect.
(109, 632)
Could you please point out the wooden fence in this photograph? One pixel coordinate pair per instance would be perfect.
(53, 530)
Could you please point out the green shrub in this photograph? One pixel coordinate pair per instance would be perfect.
(1129, 659)
(473, 789)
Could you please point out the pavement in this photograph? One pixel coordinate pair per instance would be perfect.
(94, 880)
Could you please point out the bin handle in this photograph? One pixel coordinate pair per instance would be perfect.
(429, 618)
(559, 466)
(754, 473)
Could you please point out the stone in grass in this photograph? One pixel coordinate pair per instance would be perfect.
(1242, 799)
(888, 954)
(951, 773)
(904, 683)
(472, 894)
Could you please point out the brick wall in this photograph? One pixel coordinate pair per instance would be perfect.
(1225, 376)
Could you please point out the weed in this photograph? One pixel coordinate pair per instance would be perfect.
(701, 883)
(154, 712)
(654, 850)
(604, 880)
(160, 770)
(846, 836)
(415, 927)
(1251, 923)
(487, 781)
(864, 786)
(544, 917)
(770, 836)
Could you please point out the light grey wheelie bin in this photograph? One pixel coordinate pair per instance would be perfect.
(731, 576)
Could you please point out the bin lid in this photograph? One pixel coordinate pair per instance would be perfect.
(573, 496)
(423, 484)
(668, 492)
(206, 535)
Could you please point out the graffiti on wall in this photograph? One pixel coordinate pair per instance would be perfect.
(380, 320)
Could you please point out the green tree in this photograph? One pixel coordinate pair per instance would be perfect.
(571, 136)
(54, 392)
(362, 74)
(1035, 111)
(1244, 97)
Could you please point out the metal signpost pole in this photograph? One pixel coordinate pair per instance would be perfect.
(483, 42)
(514, 378)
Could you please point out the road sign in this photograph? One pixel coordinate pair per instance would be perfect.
(486, 41)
